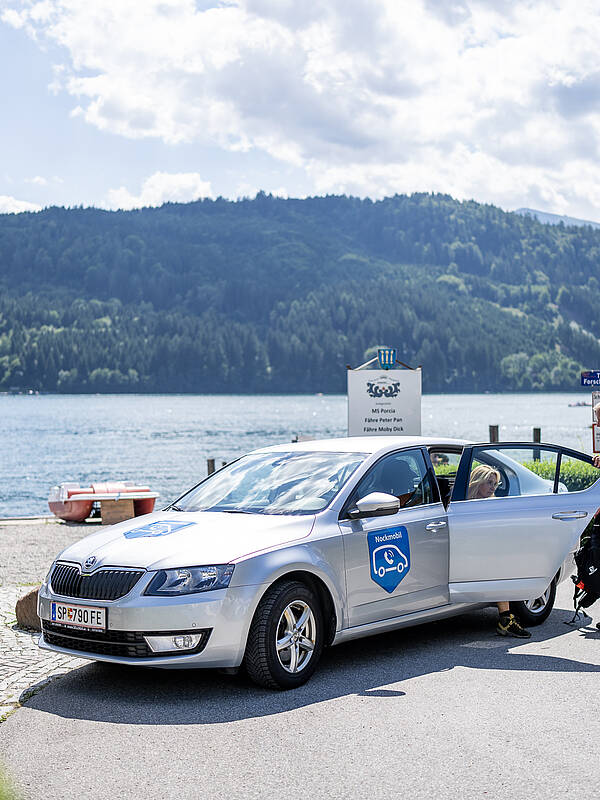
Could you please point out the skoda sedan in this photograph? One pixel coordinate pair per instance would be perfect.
(293, 548)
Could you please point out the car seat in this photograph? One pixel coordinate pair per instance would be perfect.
(398, 479)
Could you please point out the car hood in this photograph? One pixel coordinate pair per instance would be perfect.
(169, 539)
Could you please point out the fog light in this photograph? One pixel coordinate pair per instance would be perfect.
(181, 641)
(185, 642)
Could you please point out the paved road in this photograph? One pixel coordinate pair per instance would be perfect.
(445, 710)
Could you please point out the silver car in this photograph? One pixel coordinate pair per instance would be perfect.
(296, 547)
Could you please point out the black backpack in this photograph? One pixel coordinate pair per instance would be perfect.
(587, 559)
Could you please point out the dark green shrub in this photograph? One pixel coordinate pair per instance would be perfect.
(574, 474)
(445, 469)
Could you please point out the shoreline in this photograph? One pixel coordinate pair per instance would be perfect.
(580, 390)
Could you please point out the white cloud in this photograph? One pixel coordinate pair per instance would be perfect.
(37, 180)
(159, 188)
(248, 190)
(10, 205)
(12, 18)
(496, 100)
(244, 190)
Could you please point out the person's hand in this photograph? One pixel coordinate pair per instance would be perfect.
(596, 459)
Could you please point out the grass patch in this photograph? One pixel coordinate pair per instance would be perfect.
(8, 789)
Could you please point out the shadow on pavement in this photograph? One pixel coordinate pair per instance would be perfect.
(134, 695)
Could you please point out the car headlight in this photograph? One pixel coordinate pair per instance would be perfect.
(47, 578)
(190, 580)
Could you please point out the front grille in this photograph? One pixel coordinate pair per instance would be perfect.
(106, 584)
(128, 644)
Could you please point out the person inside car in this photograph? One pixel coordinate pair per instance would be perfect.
(483, 483)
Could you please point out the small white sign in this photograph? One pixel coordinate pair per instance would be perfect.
(596, 430)
(596, 408)
(384, 402)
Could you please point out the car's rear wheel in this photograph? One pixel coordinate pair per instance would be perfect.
(536, 610)
(286, 637)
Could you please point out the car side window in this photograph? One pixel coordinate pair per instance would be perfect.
(445, 466)
(403, 474)
(511, 472)
(575, 474)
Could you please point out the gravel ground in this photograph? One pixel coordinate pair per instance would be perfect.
(28, 548)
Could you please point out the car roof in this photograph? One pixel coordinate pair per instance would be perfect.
(362, 444)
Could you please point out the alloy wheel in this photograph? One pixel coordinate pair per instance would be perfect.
(538, 604)
(296, 636)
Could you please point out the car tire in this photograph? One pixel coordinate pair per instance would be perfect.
(537, 610)
(289, 612)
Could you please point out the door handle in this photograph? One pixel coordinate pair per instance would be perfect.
(433, 526)
(569, 515)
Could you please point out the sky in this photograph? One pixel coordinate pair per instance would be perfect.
(130, 103)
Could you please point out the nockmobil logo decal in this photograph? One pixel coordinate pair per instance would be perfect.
(160, 528)
(389, 556)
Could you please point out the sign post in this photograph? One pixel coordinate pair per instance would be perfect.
(596, 422)
(384, 400)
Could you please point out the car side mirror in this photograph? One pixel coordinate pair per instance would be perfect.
(376, 504)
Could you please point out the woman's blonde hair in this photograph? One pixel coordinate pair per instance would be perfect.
(479, 475)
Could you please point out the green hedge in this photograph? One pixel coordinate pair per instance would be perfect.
(574, 474)
(445, 469)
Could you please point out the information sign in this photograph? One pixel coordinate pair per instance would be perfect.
(384, 402)
(590, 378)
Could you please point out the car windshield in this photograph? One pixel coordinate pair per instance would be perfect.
(274, 483)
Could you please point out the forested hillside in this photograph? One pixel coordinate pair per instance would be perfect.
(273, 295)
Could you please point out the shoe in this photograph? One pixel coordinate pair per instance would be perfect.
(598, 625)
(508, 625)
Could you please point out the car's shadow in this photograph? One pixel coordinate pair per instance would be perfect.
(132, 695)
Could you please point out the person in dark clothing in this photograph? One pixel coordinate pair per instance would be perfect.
(597, 464)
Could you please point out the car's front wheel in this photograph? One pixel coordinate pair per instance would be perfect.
(286, 637)
(536, 610)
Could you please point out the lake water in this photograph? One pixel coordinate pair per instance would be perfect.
(164, 440)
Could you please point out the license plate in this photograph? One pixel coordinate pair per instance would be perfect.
(86, 617)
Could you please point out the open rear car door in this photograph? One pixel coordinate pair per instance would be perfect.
(509, 543)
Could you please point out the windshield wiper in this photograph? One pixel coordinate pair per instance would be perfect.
(174, 507)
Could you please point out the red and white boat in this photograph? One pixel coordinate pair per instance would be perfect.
(73, 502)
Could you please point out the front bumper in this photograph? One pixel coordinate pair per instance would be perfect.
(225, 614)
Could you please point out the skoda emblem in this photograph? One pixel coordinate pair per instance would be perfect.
(89, 562)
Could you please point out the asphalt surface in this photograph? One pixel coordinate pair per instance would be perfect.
(443, 710)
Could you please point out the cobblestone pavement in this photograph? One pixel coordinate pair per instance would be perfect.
(26, 551)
